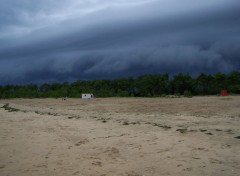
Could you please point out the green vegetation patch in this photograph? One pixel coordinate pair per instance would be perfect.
(148, 85)
(187, 94)
(9, 109)
(183, 130)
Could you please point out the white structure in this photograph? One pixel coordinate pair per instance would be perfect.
(87, 96)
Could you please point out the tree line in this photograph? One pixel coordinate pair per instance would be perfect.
(149, 85)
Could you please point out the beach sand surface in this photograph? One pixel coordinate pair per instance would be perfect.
(120, 137)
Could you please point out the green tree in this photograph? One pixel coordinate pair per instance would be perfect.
(181, 82)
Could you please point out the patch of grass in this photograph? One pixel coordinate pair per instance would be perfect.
(187, 94)
(135, 123)
(166, 127)
(5, 106)
(148, 123)
(183, 130)
(192, 130)
(9, 109)
(162, 126)
(37, 112)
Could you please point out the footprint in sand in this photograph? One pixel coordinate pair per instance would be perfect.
(215, 161)
(136, 146)
(84, 141)
(188, 169)
(112, 152)
(97, 163)
(76, 173)
(132, 173)
(2, 166)
(229, 131)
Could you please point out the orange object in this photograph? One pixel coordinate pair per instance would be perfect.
(224, 92)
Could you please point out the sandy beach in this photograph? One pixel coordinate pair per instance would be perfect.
(120, 137)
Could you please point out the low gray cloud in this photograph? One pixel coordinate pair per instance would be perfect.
(70, 40)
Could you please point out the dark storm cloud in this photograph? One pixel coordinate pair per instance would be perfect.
(72, 40)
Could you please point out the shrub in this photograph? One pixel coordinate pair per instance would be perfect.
(187, 94)
(177, 94)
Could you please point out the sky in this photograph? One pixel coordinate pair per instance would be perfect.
(66, 40)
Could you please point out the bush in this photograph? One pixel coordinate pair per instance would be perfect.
(187, 94)
(177, 94)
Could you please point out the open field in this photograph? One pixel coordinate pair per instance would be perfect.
(120, 137)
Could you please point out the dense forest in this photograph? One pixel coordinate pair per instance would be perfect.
(148, 85)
